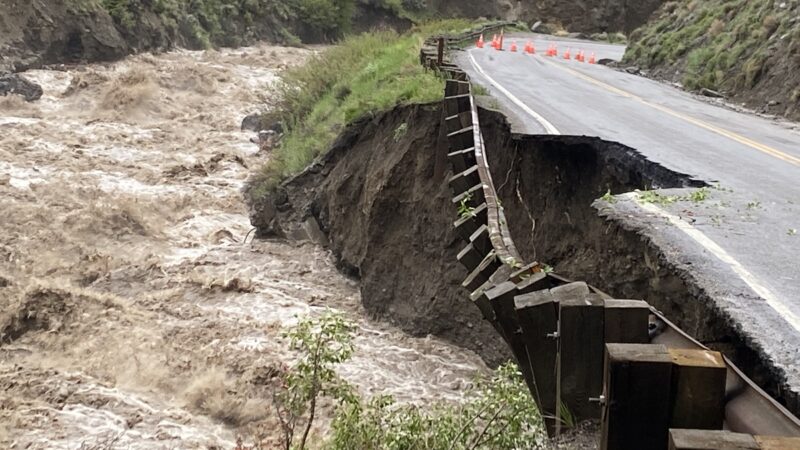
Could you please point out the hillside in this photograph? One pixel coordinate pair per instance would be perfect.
(747, 49)
(39, 32)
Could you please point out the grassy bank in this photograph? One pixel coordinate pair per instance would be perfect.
(737, 46)
(363, 75)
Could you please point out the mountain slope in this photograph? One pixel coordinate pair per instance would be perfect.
(748, 49)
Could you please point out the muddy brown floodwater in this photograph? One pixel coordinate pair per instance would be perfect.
(132, 314)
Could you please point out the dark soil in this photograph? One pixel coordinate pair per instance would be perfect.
(381, 198)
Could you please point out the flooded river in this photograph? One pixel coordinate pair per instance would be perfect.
(133, 314)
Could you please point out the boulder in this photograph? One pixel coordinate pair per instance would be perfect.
(13, 83)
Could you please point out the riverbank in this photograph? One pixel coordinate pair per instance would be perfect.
(133, 309)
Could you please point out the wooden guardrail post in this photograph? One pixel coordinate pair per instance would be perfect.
(537, 313)
(698, 389)
(627, 321)
(636, 397)
(580, 354)
(440, 51)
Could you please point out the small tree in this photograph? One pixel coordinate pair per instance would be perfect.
(322, 343)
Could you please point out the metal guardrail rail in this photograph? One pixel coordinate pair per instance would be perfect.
(569, 361)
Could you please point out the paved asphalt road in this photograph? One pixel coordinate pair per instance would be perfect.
(741, 239)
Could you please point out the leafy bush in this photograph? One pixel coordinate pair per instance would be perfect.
(321, 343)
(498, 414)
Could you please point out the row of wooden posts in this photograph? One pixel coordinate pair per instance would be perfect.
(583, 355)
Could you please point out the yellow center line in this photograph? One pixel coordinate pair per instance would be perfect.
(722, 132)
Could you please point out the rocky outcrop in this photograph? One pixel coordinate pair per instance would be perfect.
(38, 32)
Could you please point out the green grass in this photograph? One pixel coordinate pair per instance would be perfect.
(717, 44)
(362, 76)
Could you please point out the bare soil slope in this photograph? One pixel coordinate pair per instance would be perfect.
(381, 196)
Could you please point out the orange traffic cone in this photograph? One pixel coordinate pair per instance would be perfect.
(530, 49)
(591, 59)
(580, 56)
(555, 50)
(513, 46)
(567, 54)
(480, 42)
(494, 41)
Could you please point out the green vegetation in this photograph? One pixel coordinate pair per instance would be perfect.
(608, 197)
(464, 209)
(497, 413)
(719, 44)
(363, 75)
(479, 89)
(321, 344)
(696, 196)
(207, 23)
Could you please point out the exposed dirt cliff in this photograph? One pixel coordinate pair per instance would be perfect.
(381, 197)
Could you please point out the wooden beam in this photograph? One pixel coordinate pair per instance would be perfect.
(698, 389)
(777, 443)
(637, 397)
(680, 439)
(538, 320)
(627, 322)
(581, 351)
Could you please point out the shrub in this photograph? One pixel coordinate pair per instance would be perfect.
(498, 414)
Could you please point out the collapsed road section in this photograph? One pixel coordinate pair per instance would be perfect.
(528, 307)
(389, 217)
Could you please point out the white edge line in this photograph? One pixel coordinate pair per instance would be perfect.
(755, 284)
(549, 127)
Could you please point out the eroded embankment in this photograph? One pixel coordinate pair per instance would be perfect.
(381, 197)
(549, 187)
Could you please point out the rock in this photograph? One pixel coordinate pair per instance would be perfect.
(252, 122)
(13, 83)
(578, 35)
(773, 103)
(711, 93)
(607, 62)
(536, 25)
(633, 70)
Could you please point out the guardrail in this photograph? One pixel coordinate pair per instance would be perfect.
(583, 354)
